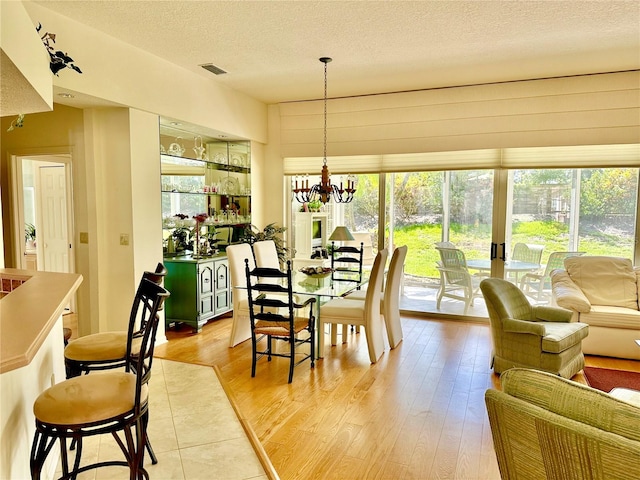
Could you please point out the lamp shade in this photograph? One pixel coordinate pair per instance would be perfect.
(341, 234)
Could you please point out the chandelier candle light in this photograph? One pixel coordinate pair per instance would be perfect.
(325, 190)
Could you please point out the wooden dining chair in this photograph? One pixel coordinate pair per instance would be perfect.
(275, 314)
(112, 402)
(346, 263)
(363, 239)
(342, 311)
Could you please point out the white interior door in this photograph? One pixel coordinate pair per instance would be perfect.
(55, 244)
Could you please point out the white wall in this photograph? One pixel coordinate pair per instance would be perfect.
(146, 201)
(108, 139)
(116, 190)
(120, 73)
(57, 132)
(1, 236)
(24, 62)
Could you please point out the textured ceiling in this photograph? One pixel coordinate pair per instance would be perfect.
(270, 49)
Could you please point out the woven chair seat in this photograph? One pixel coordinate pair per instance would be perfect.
(281, 329)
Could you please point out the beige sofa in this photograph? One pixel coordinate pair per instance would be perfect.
(547, 427)
(602, 292)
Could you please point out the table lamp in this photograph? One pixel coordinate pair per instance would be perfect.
(341, 234)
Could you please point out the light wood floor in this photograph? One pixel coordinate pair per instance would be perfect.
(416, 414)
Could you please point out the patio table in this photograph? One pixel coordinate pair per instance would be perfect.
(509, 266)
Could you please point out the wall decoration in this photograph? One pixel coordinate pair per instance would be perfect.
(59, 59)
(18, 122)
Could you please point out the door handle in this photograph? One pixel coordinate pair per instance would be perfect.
(504, 252)
(494, 251)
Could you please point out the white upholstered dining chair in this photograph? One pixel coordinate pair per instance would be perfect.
(342, 311)
(266, 254)
(241, 325)
(390, 301)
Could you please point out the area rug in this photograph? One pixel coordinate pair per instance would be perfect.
(606, 379)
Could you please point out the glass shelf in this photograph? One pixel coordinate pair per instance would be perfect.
(194, 162)
(202, 174)
(216, 194)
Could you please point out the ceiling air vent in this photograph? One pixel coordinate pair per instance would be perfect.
(213, 69)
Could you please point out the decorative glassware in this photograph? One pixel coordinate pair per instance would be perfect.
(198, 148)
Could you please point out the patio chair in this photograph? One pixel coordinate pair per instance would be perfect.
(455, 280)
(523, 252)
(538, 285)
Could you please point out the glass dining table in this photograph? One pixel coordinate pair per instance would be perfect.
(323, 289)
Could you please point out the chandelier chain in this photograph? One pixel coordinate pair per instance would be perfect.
(324, 191)
(325, 116)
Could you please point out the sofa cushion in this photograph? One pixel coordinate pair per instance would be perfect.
(560, 336)
(612, 317)
(567, 294)
(605, 280)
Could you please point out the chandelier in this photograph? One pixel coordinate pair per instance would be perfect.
(325, 190)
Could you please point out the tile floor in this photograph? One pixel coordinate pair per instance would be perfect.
(193, 428)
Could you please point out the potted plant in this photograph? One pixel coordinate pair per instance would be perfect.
(252, 234)
(30, 236)
(315, 206)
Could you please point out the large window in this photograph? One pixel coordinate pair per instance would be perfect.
(544, 215)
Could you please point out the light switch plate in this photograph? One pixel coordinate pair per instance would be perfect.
(124, 239)
(84, 237)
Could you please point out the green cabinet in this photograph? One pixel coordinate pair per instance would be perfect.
(199, 289)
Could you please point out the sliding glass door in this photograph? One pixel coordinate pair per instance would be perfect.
(564, 212)
(516, 223)
(450, 209)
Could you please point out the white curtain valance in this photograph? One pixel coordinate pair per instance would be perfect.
(532, 123)
(584, 156)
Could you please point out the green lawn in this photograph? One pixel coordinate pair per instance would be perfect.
(475, 242)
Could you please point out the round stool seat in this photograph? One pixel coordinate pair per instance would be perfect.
(98, 347)
(89, 399)
(67, 334)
